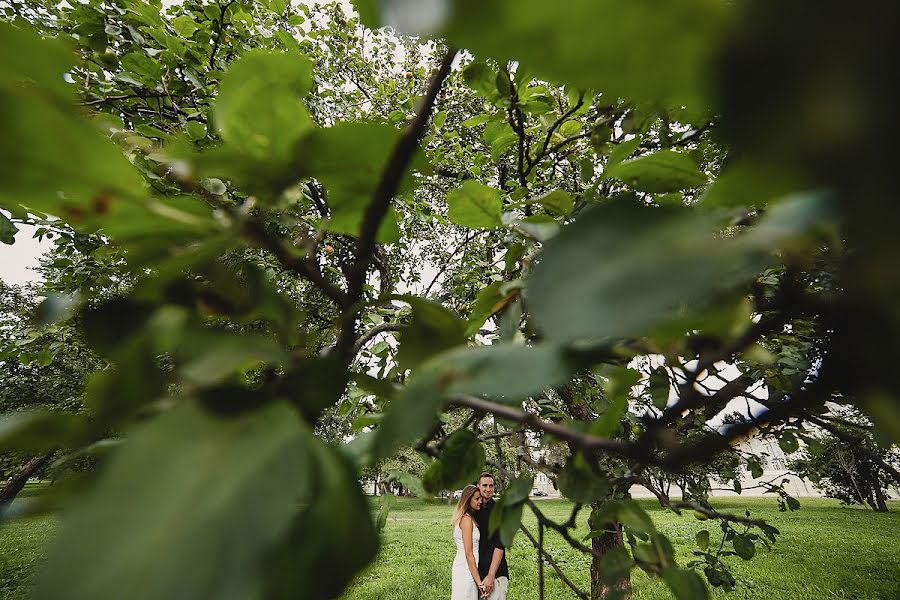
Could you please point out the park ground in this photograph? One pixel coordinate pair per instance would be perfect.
(826, 552)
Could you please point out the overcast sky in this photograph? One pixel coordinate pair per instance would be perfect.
(18, 260)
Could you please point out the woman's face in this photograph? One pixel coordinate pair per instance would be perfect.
(475, 502)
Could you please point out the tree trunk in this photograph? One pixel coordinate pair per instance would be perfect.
(16, 483)
(880, 500)
(600, 590)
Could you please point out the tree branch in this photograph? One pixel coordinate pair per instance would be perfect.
(222, 26)
(364, 338)
(381, 200)
(578, 439)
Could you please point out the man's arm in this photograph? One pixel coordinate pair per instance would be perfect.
(492, 572)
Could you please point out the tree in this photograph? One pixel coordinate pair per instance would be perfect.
(268, 189)
(851, 467)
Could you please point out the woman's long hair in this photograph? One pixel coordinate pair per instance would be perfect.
(462, 507)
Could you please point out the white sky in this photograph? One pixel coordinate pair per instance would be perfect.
(18, 260)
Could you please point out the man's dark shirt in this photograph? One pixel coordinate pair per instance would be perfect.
(487, 543)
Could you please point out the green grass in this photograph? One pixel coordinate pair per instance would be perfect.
(21, 549)
(826, 552)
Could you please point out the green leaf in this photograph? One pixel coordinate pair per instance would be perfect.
(184, 26)
(617, 383)
(439, 119)
(144, 68)
(684, 583)
(368, 11)
(570, 128)
(196, 131)
(488, 301)
(579, 484)
(660, 172)
(77, 180)
(743, 546)
(475, 205)
(622, 268)
(622, 151)
(220, 491)
(625, 511)
(659, 387)
(432, 329)
(349, 159)
(788, 443)
(461, 460)
(481, 78)
(756, 470)
(333, 534)
(314, 384)
(7, 230)
(621, 48)
(504, 372)
(259, 108)
(557, 202)
(477, 120)
(211, 356)
(747, 184)
(506, 519)
(39, 431)
(615, 565)
(702, 539)
(518, 490)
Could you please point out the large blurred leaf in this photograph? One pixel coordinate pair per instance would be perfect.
(638, 50)
(578, 483)
(185, 510)
(505, 519)
(462, 458)
(622, 268)
(433, 328)
(684, 583)
(349, 159)
(259, 108)
(330, 540)
(51, 159)
(503, 372)
(662, 171)
(38, 431)
(210, 356)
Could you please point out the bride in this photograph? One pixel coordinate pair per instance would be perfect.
(465, 582)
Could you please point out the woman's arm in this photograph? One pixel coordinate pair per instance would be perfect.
(466, 525)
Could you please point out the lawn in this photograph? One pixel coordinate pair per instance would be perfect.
(826, 552)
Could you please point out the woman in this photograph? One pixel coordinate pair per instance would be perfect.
(465, 582)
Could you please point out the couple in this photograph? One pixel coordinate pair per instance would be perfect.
(479, 569)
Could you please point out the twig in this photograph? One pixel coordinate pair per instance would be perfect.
(578, 439)
(559, 572)
(381, 200)
(222, 26)
(469, 237)
(383, 327)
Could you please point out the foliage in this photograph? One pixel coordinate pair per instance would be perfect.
(288, 226)
(852, 467)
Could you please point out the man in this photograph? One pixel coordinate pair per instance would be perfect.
(491, 554)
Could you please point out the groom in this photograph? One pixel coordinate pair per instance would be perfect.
(491, 554)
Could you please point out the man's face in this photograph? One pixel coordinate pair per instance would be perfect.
(486, 487)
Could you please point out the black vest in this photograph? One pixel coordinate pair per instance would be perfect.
(487, 543)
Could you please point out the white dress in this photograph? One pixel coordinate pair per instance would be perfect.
(462, 585)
